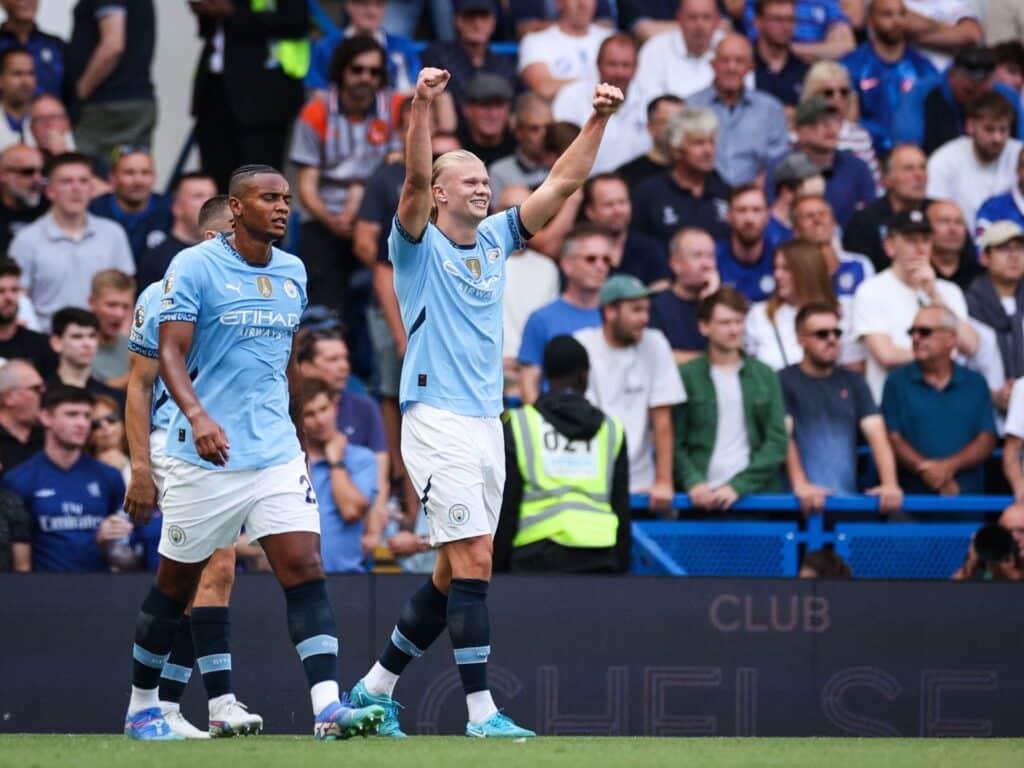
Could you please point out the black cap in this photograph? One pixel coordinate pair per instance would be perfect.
(813, 109)
(487, 87)
(476, 6)
(905, 222)
(975, 61)
(564, 356)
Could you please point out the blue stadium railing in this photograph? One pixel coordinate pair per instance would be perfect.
(720, 547)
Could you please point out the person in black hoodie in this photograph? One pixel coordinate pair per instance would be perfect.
(996, 298)
(561, 437)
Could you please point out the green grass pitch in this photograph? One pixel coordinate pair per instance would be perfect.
(42, 751)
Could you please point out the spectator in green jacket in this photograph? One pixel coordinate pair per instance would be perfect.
(730, 432)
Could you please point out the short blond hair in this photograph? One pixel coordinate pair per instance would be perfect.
(443, 162)
(113, 280)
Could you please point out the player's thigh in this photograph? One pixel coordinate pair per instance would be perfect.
(443, 457)
(203, 510)
(217, 579)
(285, 519)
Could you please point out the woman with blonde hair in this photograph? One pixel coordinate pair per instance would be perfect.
(831, 81)
(801, 277)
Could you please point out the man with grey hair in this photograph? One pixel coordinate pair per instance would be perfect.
(527, 165)
(939, 413)
(753, 124)
(21, 391)
(691, 193)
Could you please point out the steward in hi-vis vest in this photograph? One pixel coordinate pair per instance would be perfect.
(566, 501)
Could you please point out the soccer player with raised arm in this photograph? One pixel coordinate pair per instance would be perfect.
(204, 633)
(229, 309)
(449, 259)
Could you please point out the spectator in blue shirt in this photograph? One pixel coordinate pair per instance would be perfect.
(939, 413)
(20, 30)
(884, 69)
(469, 54)
(74, 500)
(849, 184)
(144, 215)
(366, 17)
(935, 111)
(822, 29)
(345, 481)
(746, 257)
(777, 70)
(751, 125)
(674, 312)
(1007, 206)
(17, 87)
(585, 261)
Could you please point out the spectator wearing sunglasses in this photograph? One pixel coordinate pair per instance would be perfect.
(883, 69)
(21, 190)
(884, 305)
(939, 413)
(826, 405)
(341, 138)
(585, 261)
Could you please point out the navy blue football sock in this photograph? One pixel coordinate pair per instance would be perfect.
(211, 632)
(154, 635)
(178, 669)
(469, 626)
(422, 620)
(313, 630)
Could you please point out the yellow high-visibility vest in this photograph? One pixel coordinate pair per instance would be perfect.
(293, 55)
(567, 483)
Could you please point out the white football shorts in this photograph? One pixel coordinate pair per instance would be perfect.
(158, 458)
(457, 464)
(205, 509)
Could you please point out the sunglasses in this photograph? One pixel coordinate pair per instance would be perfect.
(592, 258)
(37, 388)
(826, 333)
(30, 170)
(110, 418)
(828, 93)
(129, 149)
(923, 331)
(359, 69)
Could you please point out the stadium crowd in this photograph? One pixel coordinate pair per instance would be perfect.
(804, 232)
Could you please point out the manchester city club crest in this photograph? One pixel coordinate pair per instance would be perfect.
(458, 514)
(290, 290)
(493, 254)
(264, 286)
(474, 268)
(176, 535)
(140, 316)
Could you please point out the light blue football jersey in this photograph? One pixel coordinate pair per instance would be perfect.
(143, 340)
(450, 296)
(245, 320)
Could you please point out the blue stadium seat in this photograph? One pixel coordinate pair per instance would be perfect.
(904, 550)
(715, 548)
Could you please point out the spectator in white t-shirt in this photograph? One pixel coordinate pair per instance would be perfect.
(941, 27)
(679, 61)
(1013, 449)
(564, 52)
(885, 305)
(633, 376)
(625, 135)
(970, 169)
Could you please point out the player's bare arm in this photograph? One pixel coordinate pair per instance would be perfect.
(572, 168)
(140, 497)
(175, 341)
(415, 201)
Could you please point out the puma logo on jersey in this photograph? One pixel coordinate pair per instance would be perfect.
(236, 288)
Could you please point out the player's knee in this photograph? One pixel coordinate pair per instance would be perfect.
(474, 559)
(178, 581)
(309, 568)
(218, 579)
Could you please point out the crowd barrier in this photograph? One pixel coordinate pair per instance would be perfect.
(932, 547)
(610, 656)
